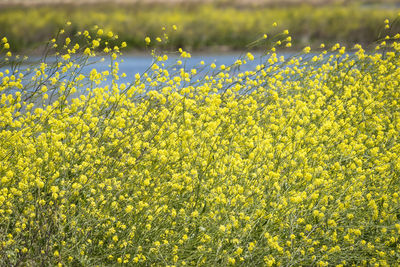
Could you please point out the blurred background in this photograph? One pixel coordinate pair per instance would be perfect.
(203, 25)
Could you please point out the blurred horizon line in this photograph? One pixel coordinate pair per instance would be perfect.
(28, 3)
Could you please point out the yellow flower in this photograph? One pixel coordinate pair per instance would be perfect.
(95, 43)
(307, 49)
(87, 51)
(66, 57)
(250, 56)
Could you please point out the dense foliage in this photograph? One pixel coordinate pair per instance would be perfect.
(201, 27)
(295, 162)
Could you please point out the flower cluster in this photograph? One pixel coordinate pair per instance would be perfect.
(295, 162)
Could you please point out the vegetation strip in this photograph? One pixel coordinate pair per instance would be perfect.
(201, 26)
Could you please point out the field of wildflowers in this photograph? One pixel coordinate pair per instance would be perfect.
(295, 162)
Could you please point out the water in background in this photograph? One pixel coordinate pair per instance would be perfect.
(133, 64)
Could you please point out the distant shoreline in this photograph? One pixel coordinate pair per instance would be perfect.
(29, 3)
(201, 28)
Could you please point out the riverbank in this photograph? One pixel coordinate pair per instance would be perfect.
(201, 27)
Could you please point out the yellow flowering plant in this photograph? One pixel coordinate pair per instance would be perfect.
(294, 162)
